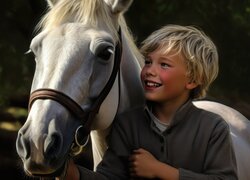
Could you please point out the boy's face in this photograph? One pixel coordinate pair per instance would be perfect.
(164, 77)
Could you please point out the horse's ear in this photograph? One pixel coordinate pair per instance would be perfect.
(118, 6)
(51, 3)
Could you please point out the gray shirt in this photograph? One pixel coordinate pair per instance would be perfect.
(197, 142)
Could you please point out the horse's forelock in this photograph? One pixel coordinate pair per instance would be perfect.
(81, 11)
(86, 12)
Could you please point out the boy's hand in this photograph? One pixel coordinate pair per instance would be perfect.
(142, 163)
(72, 171)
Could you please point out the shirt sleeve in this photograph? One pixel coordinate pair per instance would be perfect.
(90, 175)
(115, 161)
(114, 164)
(220, 162)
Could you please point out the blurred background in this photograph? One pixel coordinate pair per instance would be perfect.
(226, 22)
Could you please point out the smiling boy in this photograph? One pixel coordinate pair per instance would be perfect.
(186, 142)
(170, 138)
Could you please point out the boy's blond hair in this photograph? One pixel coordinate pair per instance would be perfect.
(197, 48)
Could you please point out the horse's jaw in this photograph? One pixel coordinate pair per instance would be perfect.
(43, 146)
(108, 109)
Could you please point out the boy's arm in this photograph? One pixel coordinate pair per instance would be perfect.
(112, 167)
(114, 164)
(75, 172)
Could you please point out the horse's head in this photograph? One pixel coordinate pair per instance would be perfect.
(76, 54)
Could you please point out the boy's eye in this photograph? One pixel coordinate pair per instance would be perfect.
(165, 65)
(147, 61)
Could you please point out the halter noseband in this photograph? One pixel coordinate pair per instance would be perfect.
(73, 106)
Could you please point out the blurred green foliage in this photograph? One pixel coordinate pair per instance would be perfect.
(18, 18)
(226, 22)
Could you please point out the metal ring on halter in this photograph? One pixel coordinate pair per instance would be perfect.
(76, 148)
(76, 138)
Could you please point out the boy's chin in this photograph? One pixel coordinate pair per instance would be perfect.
(150, 97)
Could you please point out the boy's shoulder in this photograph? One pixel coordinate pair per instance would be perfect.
(209, 118)
(132, 115)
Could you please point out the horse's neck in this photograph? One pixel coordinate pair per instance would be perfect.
(131, 91)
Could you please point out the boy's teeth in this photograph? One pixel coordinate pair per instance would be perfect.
(151, 84)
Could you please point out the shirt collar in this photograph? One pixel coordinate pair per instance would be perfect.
(180, 114)
(160, 125)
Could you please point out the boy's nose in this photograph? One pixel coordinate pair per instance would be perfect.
(151, 71)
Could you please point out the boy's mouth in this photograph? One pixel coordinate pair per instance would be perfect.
(152, 84)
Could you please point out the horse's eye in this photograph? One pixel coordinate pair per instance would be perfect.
(105, 53)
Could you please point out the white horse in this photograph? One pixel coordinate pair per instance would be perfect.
(87, 71)
(76, 55)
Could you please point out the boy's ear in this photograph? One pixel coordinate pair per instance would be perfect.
(191, 85)
(51, 3)
(118, 6)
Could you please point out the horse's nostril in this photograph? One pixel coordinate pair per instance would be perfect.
(52, 145)
(22, 146)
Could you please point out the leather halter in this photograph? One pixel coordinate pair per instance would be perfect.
(73, 106)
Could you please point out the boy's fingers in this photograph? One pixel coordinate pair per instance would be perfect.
(140, 150)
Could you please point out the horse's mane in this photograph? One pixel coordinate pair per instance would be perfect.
(87, 12)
